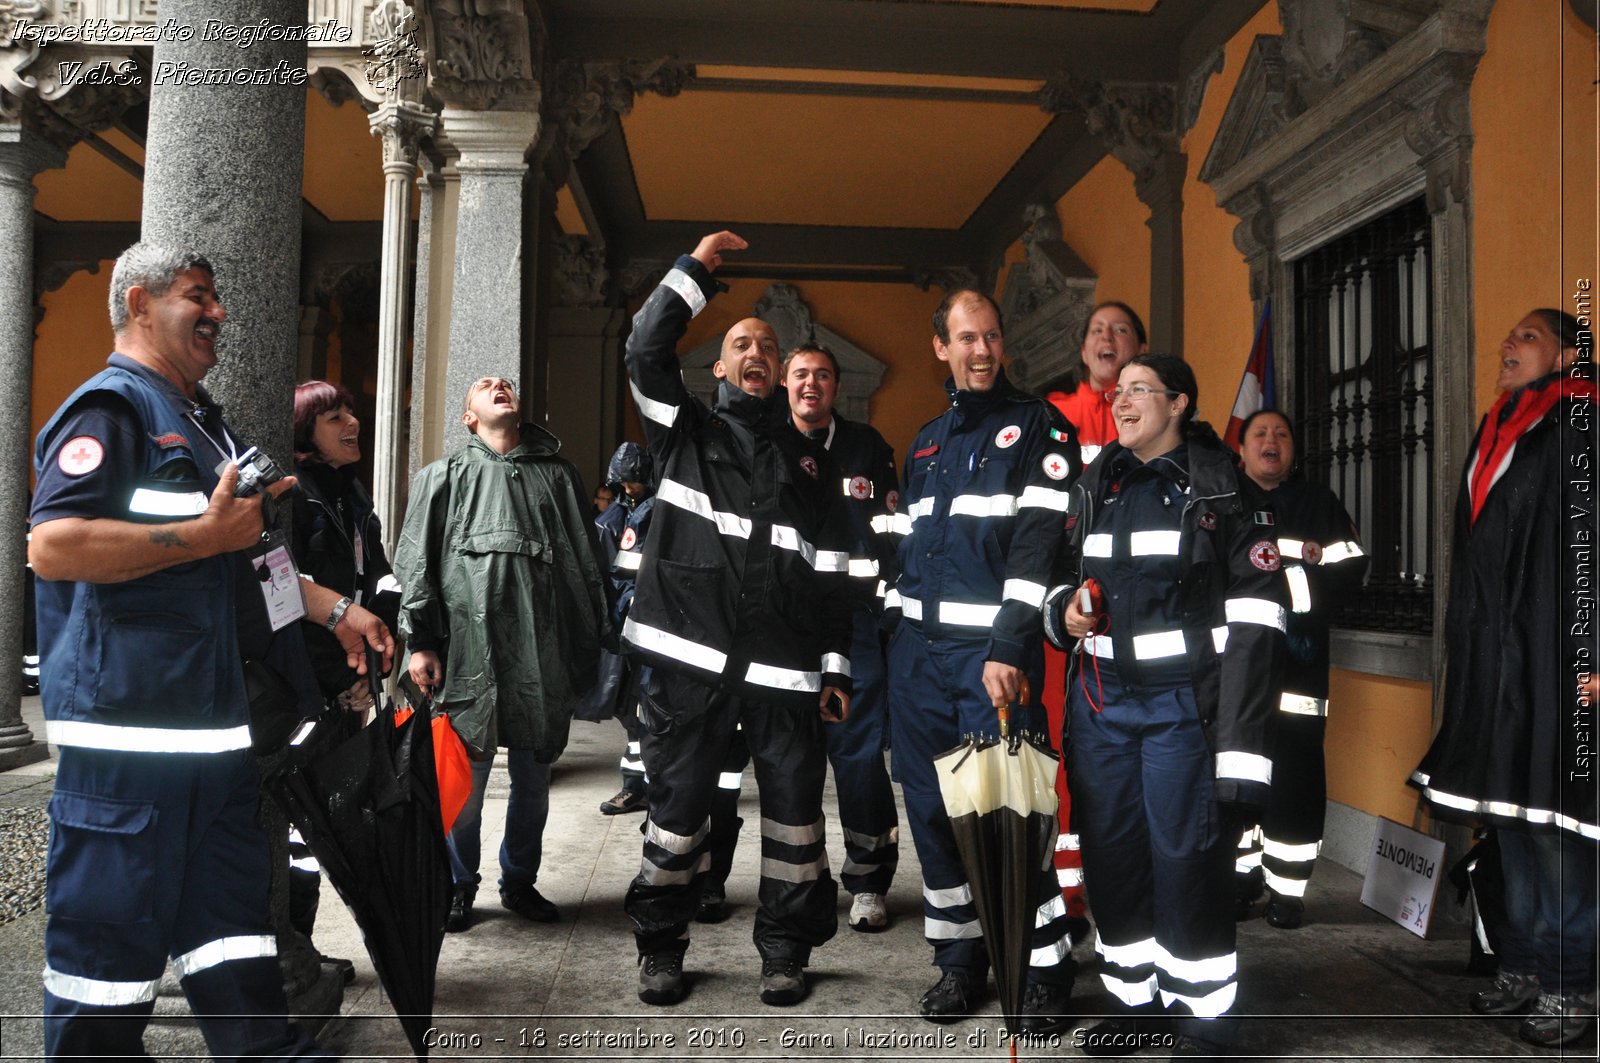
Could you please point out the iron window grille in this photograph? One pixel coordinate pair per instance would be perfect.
(1364, 389)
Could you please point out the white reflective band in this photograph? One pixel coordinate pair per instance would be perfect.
(1292, 549)
(769, 675)
(1132, 994)
(85, 735)
(1073, 841)
(628, 560)
(863, 568)
(659, 836)
(822, 560)
(983, 506)
(1088, 452)
(295, 836)
(388, 583)
(900, 524)
(662, 413)
(1210, 1006)
(674, 646)
(944, 930)
(1212, 969)
(1250, 838)
(302, 732)
(1044, 498)
(1248, 861)
(687, 289)
(1256, 611)
(1219, 638)
(1068, 877)
(836, 662)
(948, 898)
(1054, 908)
(1097, 544)
(167, 503)
(1064, 842)
(872, 842)
(633, 748)
(1301, 705)
(1153, 544)
(891, 599)
(1334, 553)
(1052, 954)
(222, 950)
(1232, 764)
(98, 993)
(306, 863)
(1288, 887)
(1159, 644)
(1299, 588)
(964, 614)
(1025, 591)
(730, 780)
(699, 503)
(910, 608)
(656, 875)
(784, 871)
(789, 834)
(1136, 954)
(1295, 854)
(632, 764)
(922, 507)
(882, 524)
(1508, 810)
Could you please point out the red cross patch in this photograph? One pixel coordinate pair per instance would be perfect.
(809, 464)
(80, 456)
(1056, 467)
(1311, 552)
(892, 501)
(1264, 555)
(860, 488)
(1208, 521)
(1007, 436)
(629, 538)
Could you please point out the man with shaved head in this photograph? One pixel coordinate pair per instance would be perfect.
(742, 610)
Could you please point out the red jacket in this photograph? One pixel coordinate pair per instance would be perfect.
(1090, 414)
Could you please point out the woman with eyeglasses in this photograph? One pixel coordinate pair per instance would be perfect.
(1324, 563)
(1176, 612)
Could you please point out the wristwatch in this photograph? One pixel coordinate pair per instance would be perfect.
(337, 614)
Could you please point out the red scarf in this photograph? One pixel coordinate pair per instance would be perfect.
(1497, 441)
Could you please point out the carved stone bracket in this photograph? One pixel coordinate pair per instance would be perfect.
(1046, 302)
(1137, 122)
(482, 54)
(640, 277)
(1194, 91)
(1440, 132)
(585, 96)
(580, 277)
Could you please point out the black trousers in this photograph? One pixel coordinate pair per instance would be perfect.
(689, 727)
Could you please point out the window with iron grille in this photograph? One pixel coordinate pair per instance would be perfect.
(1364, 404)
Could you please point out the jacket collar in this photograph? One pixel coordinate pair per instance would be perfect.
(736, 405)
(537, 442)
(1003, 391)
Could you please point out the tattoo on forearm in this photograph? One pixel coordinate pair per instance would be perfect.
(168, 538)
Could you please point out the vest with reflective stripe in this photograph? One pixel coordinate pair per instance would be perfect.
(160, 651)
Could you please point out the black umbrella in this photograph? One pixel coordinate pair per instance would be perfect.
(1000, 795)
(368, 808)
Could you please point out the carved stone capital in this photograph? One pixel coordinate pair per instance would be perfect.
(393, 61)
(1136, 121)
(580, 277)
(585, 96)
(402, 127)
(482, 54)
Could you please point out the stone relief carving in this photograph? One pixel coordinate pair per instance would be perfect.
(640, 277)
(580, 277)
(482, 54)
(1325, 43)
(585, 95)
(394, 63)
(1045, 301)
(1194, 91)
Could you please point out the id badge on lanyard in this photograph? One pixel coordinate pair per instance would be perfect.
(279, 581)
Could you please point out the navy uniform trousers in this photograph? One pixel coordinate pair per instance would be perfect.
(689, 725)
(855, 751)
(156, 856)
(1157, 852)
(936, 700)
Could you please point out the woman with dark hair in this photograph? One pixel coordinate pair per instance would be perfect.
(1521, 672)
(1113, 336)
(337, 543)
(1324, 563)
(1178, 627)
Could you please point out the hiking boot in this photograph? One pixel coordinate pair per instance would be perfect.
(661, 978)
(713, 905)
(868, 913)
(529, 903)
(950, 999)
(346, 968)
(1557, 1020)
(783, 982)
(460, 916)
(1285, 913)
(1044, 1007)
(626, 800)
(1511, 992)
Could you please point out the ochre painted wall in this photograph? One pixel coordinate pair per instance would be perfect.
(1378, 730)
(1104, 222)
(72, 341)
(1533, 171)
(891, 322)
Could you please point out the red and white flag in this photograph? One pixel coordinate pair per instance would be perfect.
(1257, 389)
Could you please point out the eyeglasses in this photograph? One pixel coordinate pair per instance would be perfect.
(1139, 392)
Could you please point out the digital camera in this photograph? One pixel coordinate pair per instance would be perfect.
(256, 472)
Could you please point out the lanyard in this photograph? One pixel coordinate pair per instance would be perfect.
(232, 450)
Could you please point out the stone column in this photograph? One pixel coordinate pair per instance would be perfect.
(401, 125)
(438, 183)
(22, 154)
(223, 175)
(583, 358)
(1159, 185)
(486, 311)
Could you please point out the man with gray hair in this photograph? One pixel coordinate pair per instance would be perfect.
(147, 552)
